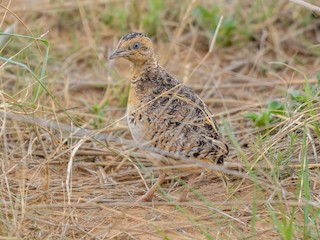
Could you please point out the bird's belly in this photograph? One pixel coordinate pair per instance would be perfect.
(142, 132)
(138, 128)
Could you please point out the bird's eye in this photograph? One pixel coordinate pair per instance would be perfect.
(136, 45)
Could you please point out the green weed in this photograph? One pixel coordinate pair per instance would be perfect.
(134, 15)
(117, 17)
(266, 117)
(303, 100)
(207, 20)
(151, 21)
(99, 111)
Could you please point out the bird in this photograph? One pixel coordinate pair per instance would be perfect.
(164, 114)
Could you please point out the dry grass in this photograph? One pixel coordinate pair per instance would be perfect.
(68, 167)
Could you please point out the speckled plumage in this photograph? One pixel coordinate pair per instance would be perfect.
(162, 112)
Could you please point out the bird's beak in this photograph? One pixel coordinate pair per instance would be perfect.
(119, 53)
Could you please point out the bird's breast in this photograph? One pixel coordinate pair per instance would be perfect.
(136, 117)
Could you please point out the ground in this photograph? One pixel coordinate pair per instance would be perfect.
(69, 168)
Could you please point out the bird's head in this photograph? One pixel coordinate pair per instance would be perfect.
(135, 47)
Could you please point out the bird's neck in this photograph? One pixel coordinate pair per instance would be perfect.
(142, 82)
(146, 68)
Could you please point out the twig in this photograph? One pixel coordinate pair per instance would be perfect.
(307, 5)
